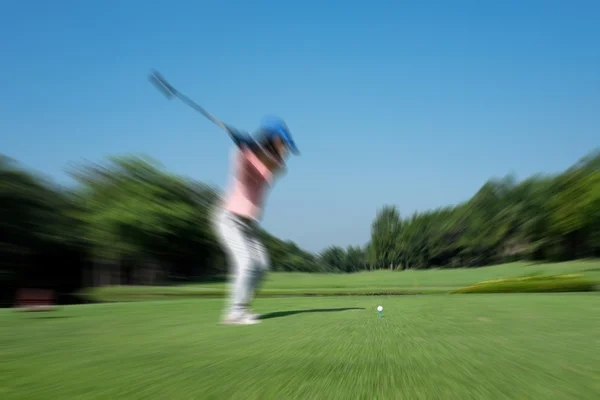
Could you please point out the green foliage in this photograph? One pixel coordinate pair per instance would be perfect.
(131, 222)
(543, 217)
(131, 208)
(386, 249)
(287, 256)
(127, 220)
(533, 284)
(27, 205)
(30, 229)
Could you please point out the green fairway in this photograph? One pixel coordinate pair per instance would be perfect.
(539, 346)
(378, 282)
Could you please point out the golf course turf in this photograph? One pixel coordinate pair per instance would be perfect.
(432, 281)
(503, 346)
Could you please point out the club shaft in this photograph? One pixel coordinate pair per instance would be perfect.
(168, 90)
(201, 110)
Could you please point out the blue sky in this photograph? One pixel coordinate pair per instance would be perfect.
(415, 104)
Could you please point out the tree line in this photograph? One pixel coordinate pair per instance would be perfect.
(543, 218)
(129, 221)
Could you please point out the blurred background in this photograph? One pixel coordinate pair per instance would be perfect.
(129, 221)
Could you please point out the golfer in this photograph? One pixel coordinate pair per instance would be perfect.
(256, 162)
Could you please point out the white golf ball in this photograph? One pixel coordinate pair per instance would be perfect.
(380, 309)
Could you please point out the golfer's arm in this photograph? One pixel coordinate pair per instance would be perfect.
(249, 150)
(240, 139)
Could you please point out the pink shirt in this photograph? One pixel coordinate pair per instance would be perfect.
(251, 178)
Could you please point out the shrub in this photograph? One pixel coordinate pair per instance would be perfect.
(532, 284)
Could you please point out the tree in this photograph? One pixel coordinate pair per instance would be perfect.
(355, 259)
(137, 223)
(139, 217)
(385, 243)
(34, 246)
(335, 258)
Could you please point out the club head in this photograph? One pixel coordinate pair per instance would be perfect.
(162, 85)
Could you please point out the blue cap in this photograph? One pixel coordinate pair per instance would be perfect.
(276, 127)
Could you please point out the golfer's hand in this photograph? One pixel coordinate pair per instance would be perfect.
(240, 138)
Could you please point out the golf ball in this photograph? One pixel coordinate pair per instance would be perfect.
(380, 309)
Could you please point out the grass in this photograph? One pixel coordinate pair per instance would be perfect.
(522, 346)
(379, 282)
(534, 284)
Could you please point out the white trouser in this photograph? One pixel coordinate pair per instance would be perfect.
(246, 254)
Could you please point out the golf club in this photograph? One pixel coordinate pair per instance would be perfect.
(170, 92)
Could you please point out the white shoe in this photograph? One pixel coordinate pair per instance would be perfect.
(252, 315)
(243, 318)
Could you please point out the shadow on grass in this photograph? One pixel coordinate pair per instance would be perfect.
(38, 316)
(195, 280)
(279, 314)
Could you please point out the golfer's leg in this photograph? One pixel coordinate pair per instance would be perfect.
(262, 262)
(235, 243)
